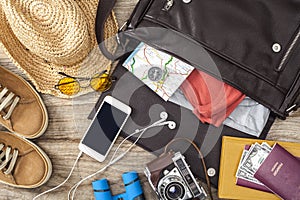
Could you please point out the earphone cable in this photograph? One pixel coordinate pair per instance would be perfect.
(61, 184)
(112, 161)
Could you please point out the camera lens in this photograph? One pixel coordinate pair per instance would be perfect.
(174, 191)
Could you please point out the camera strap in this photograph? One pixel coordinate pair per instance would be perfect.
(201, 158)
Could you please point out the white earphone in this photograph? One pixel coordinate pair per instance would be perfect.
(161, 122)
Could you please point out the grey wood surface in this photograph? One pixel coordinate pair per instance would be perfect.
(67, 123)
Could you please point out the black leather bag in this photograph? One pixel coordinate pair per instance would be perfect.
(255, 44)
(146, 107)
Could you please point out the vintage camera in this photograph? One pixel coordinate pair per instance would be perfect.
(172, 179)
(132, 184)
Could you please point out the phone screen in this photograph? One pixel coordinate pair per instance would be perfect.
(104, 128)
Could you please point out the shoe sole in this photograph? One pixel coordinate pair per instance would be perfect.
(45, 126)
(48, 175)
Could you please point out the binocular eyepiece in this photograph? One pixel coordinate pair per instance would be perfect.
(132, 184)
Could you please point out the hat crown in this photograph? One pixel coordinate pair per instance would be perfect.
(55, 30)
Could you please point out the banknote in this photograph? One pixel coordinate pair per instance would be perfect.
(242, 173)
(240, 163)
(249, 177)
(251, 160)
(254, 158)
(266, 145)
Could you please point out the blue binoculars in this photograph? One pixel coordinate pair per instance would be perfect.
(132, 184)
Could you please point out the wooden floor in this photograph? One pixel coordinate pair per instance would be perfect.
(68, 121)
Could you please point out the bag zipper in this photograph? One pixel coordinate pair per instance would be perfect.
(295, 104)
(287, 54)
(168, 5)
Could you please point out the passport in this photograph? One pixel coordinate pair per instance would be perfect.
(232, 148)
(245, 183)
(280, 173)
(249, 184)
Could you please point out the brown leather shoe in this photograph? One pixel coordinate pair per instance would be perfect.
(21, 108)
(22, 163)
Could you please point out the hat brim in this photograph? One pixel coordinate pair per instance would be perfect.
(43, 74)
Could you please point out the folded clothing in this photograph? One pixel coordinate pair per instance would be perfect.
(213, 100)
(249, 117)
(179, 99)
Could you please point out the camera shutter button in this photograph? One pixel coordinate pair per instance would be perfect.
(211, 172)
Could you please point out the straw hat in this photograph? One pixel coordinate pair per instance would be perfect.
(44, 37)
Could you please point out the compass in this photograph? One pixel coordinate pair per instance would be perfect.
(155, 74)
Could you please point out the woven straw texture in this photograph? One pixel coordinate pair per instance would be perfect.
(44, 37)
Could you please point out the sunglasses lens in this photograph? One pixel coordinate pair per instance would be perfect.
(68, 86)
(101, 83)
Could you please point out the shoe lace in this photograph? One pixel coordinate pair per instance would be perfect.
(10, 158)
(8, 99)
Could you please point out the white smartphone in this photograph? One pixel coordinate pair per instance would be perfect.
(105, 128)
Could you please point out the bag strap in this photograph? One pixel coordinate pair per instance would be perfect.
(105, 8)
(125, 44)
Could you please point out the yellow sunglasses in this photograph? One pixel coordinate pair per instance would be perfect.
(70, 85)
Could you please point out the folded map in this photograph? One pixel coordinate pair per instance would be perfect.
(160, 71)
